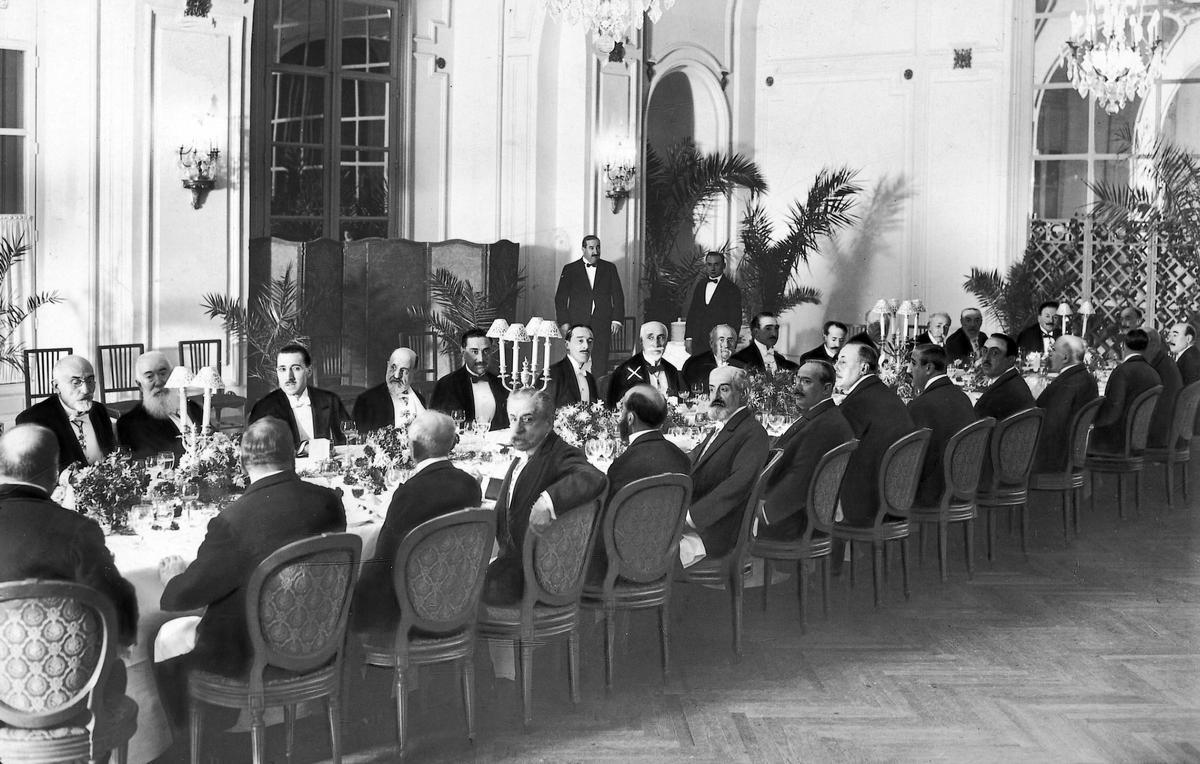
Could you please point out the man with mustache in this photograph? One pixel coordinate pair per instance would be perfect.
(760, 354)
(935, 333)
(569, 378)
(1007, 394)
(473, 389)
(589, 292)
(153, 425)
(647, 367)
(1061, 400)
(721, 340)
(1183, 347)
(308, 411)
(393, 402)
(834, 336)
(1040, 336)
(83, 430)
(967, 340)
(1172, 383)
(715, 300)
(941, 406)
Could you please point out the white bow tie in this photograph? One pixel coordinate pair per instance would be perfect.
(301, 403)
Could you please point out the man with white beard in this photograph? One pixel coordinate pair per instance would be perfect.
(395, 402)
(153, 426)
(646, 367)
(83, 429)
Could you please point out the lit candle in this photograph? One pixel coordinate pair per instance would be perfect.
(516, 364)
(503, 365)
(207, 409)
(184, 422)
(546, 364)
(533, 353)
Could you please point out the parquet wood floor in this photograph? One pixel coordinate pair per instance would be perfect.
(1088, 652)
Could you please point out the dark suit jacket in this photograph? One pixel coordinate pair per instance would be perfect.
(958, 345)
(147, 436)
(752, 359)
(574, 296)
(1061, 400)
(438, 489)
(49, 413)
(817, 354)
(565, 386)
(1007, 395)
(697, 368)
(1030, 338)
(724, 308)
(1164, 411)
(722, 480)
(273, 512)
(1131, 378)
(924, 339)
(944, 408)
(374, 409)
(562, 471)
(878, 419)
(818, 430)
(1189, 365)
(39, 539)
(453, 391)
(327, 410)
(633, 372)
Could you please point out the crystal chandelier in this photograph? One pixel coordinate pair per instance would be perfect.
(1110, 55)
(609, 21)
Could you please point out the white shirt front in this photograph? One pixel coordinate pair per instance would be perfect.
(656, 378)
(710, 289)
(303, 414)
(580, 380)
(590, 270)
(485, 402)
(768, 356)
(91, 444)
(404, 407)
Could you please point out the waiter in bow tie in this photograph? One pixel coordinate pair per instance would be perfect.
(473, 389)
(647, 367)
(1040, 337)
(589, 293)
(715, 300)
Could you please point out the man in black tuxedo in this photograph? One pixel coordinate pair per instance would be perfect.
(1008, 392)
(394, 401)
(308, 411)
(435, 488)
(715, 300)
(967, 340)
(40, 539)
(472, 388)
(570, 380)
(941, 406)
(589, 293)
(1040, 337)
(936, 332)
(647, 367)
(721, 340)
(276, 509)
(726, 464)
(1183, 347)
(834, 333)
(153, 426)
(878, 418)
(820, 428)
(1131, 317)
(1061, 400)
(760, 354)
(1172, 382)
(83, 430)
(1132, 377)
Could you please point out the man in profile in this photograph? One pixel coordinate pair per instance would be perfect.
(589, 293)
(1040, 337)
(967, 341)
(1172, 383)
(153, 426)
(82, 429)
(570, 378)
(715, 300)
(721, 340)
(393, 402)
(1007, 393)
(935, 333)
(941, 406)
(1183, 347)
(1061, 401)
(472, 388)
(309, 412)
(760, 354)
(834, 336)
(1132, 377)
(435, 488)
(647, 367)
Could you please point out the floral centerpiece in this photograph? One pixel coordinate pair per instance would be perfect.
(577, 423)
(107, 490)
(897, 375)
(772, 392)
(390, 444)
(214, 461)
(385, 449)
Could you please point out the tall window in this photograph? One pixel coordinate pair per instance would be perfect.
(326, 114)
(12, 132)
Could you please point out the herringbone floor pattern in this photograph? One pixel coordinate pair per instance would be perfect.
(1087, 652)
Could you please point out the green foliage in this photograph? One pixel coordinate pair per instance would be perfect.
(1012, 299)
(458, 306)
(13, 314)
(1170, 196)
(767, 272)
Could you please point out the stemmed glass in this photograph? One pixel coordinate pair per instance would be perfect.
(350, 430)
(165, 461)
(460, 417)
(191, 496)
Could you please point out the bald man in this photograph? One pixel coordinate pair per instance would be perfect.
(83, 430)
(647, 367)
(1061, 400)
(153, 426)
(393, 402)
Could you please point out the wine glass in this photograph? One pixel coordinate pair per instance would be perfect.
(165, 460)
(775, 421)
(191, 496)
(459, 416)
(593, 449)
(350, 430)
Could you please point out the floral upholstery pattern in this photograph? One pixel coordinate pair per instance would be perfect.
(900, 479)
(826, 485)
(967, 461)
(562, 550)
(122, 712)
(301, 602)
(1017, 447)
(643, 532)
(49, 648)
(442, 572)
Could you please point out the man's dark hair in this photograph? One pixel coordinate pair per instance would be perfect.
(585, 239)
(296, 347)
(573, 327)
(1047, 304)
(268, 443)
(471, 333)
(1010, 345)
(933, 354)
(826, 374)
(650, 410)
(754, 322)
(1189, 330)
(715, 253)
(1137, 340)
(867, 354)
(862, 338)
(831, 324)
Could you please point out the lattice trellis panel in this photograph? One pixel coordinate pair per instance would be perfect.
(1055, 245)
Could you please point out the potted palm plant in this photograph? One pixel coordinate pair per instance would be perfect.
(13, 314)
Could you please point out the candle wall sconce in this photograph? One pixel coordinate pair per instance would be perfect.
(199, 172)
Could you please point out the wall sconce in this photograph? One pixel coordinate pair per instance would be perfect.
(199, 172)
(618, 160)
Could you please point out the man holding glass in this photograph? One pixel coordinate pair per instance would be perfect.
(473, 393)
(393, 402)
(83, 430)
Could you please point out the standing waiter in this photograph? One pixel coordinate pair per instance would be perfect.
(589, 292)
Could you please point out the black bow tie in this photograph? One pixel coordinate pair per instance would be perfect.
(590, 265)
(714, 281)
(655, 369)
(475, 380)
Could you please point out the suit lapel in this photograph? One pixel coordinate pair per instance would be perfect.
(64, 426)
(722, 436)
(322, 411)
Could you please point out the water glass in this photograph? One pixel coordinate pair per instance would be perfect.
(191, 496)
(350, 430)
(165, 460)
(459, 416)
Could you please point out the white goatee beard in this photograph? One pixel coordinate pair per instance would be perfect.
(159, 404)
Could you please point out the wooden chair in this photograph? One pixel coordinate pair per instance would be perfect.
(1183, 428)
(57, 648)
(1014, 445)
(297, 603)
(962, 466)
(899, 472)
(816, 542)
(1133, 459)
(196, 354)
(554, 563)
(116, 373)
(640, 531)
(426, 346)
(730, 571)
(328, 359)
(437, 578)
(39, 372)
(1069, 482)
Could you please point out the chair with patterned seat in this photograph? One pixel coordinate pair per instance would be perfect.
(899, 471)
(816, 542)
(1179, 439)
(437, 578)
(297, 603)
(57, 649)
(640, 531)
(1069, 482)
(39, 372)
(1014, 445)
(116, 373)
(554, 562)
(1132, 460)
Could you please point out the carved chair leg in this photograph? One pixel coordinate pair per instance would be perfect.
(573, 665)
(610, 636)
(401, 690)
(990, 532)
(825, 575)
(196, 716)
(943, 563)
(289, 731)
(877, 571)
(333, 706)
(737, 592)
(969, 534)
(526, 668)
(258, 736)
(466, 668)
(664, 635)
(1169, 477)
(904, 566)
(766, 582)
(802, 591)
